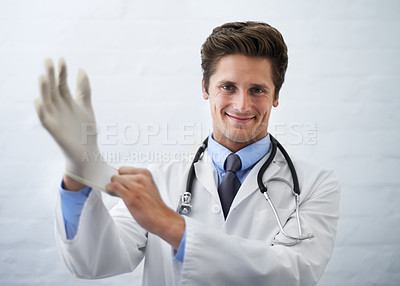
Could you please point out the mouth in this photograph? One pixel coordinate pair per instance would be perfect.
(240, 119)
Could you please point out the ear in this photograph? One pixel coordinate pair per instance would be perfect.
(203, 89)
(276, 101)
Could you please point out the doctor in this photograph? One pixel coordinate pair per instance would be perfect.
(219, 242)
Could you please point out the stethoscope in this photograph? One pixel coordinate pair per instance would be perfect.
(185, 206)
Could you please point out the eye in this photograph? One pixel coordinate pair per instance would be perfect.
(257, 90)
(227, 87)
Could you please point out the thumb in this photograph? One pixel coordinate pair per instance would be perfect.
(83, 92)
(39, 109)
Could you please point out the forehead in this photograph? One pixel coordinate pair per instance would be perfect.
(240, 68)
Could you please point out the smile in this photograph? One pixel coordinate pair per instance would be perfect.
(240, 119)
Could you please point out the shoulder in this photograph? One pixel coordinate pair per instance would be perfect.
(315, 178)
(312, 177)
(309, 168)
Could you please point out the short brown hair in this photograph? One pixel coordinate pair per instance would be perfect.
(252, 39)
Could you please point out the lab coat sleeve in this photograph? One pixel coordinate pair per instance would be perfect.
(232, 260)
(105, 244)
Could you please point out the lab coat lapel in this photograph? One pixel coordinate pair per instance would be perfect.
(250, 184)
(207, 175)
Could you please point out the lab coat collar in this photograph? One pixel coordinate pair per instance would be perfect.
(207, 175)
(250, 184)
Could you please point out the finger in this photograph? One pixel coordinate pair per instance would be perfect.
(83, 92)
(129, 181)
(131, 170)
(116, 189)
(63, 88)
(44, 90)
(51, 80)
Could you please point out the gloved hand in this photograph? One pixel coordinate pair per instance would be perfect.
(71, 123)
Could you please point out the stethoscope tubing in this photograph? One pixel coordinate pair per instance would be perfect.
(184, 206)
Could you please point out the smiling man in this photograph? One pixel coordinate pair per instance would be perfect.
(228, 234)
(241, 93)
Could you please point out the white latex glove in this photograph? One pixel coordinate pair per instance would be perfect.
(67, 120)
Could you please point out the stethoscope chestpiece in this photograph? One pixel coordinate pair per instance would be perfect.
(184, 205)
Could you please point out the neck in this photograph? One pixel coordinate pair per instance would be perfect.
(236, 145)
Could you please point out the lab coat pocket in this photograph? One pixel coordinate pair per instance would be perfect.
(265, 226)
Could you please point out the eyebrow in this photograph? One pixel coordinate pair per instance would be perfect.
(225, 82)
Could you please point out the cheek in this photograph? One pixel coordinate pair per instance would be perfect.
(265, 112)
(213, 109)
(216, 105)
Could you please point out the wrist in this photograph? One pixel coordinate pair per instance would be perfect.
(72, 185)
(172, 228)
(83, 157)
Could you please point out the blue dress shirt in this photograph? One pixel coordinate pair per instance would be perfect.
(72, 202)
(249, 156)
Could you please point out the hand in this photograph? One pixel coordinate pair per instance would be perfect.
(137, 189)
(68, 120)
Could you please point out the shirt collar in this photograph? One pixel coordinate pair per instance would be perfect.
(249, 155)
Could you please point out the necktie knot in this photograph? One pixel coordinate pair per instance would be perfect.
(233, 163)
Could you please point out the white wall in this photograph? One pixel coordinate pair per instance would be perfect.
(339, 108)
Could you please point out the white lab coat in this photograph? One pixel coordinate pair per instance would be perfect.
(237, 251)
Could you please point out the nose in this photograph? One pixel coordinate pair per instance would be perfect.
(242, 101)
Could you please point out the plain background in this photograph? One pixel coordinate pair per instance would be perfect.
(338, 108)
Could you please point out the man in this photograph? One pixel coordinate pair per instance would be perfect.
(231, 236)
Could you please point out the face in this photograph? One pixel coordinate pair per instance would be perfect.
(241, 94)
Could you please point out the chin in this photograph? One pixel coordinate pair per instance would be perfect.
(240, 136)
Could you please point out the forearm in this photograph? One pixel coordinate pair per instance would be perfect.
(72, 203)
(171, 228)
(72, 185)
(104, 239)
(136, 187)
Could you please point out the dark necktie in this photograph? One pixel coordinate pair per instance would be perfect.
(230, 184)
